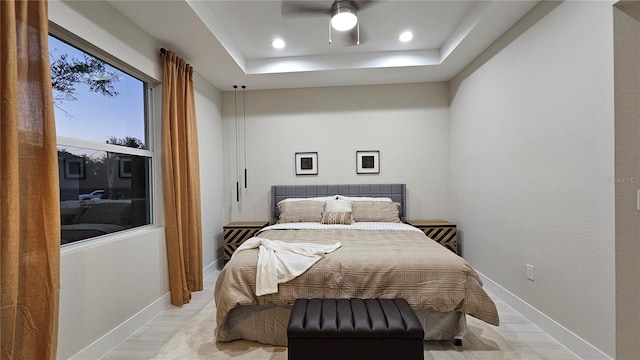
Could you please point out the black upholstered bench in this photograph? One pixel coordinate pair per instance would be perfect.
(354, 329)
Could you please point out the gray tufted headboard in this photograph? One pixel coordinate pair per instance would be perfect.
(397, 193)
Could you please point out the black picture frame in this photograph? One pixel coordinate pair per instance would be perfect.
(368, 162)
(306, 163)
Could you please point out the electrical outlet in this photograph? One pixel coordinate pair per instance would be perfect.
(530, 273)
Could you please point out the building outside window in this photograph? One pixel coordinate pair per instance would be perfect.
(104, 159)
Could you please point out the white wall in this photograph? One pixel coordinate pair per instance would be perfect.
(406, 123)
(532, 175)
(627, 79)
(112, 286)
(208, 112)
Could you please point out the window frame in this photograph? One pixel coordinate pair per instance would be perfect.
(150, 130)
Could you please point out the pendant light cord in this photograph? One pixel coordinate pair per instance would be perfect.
(244, 134)
(235, 97)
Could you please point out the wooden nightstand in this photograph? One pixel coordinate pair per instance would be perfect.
(236, 233)
(441, 231)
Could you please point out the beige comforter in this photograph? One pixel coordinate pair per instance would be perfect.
(370, 264)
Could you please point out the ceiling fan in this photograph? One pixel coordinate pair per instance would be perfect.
(343, 14)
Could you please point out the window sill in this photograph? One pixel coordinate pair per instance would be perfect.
(97, 241)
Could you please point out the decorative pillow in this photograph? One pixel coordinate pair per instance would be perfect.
(364, 198)
(338, 206)
(376, 211)
(336, 217)
(321, 198)
(301, 211)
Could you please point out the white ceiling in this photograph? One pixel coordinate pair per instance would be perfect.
(229, 42)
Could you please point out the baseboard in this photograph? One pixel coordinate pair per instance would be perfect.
(211, 268)
(113, 338)
(564, 336)
(108, 341)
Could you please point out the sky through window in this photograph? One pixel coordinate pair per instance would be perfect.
(97, 117)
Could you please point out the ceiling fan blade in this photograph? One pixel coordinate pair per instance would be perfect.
(304, 8)
(363, 4)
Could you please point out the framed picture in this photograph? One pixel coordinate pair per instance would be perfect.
(124, 170)
(368, 162)
(306, 163)
(74, 168)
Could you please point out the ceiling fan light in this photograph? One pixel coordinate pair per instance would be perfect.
(343, 16)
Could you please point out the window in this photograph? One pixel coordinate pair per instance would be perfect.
(104, 159)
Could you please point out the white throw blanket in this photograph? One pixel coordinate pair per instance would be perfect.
(279, 261)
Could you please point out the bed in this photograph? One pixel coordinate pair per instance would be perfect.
(379, 257)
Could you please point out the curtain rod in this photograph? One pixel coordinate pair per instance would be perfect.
(163, 51)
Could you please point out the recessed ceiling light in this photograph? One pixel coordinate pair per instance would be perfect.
(406, 36)
(278, 43)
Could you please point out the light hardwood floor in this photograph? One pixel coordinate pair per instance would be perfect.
(526, 337)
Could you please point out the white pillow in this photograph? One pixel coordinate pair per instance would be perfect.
(364, 198)
(322, 198)
(338, 206)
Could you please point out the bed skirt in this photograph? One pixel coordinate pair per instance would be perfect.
(267, 324)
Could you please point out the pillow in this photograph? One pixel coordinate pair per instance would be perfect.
(363, 198)
(301, 211)
(336, 217)
(338, 206)
(321, 198)
(376, 211)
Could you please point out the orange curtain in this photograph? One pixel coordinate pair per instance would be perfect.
(181, 176)
(29, 195)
